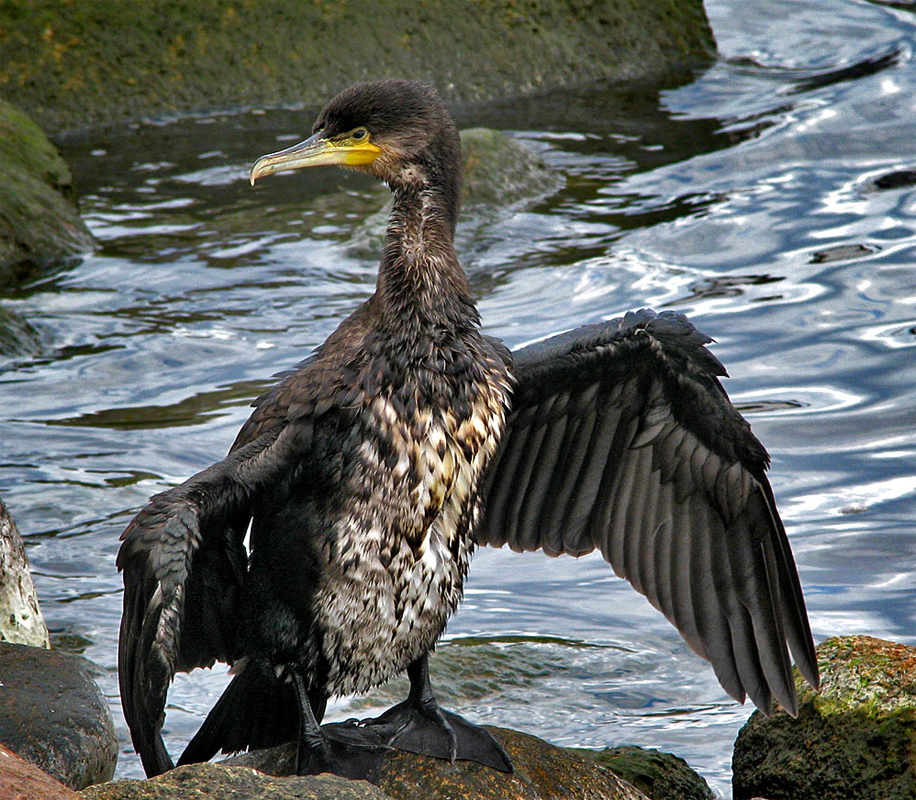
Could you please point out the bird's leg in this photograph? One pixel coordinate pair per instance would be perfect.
(313, 751)
(419, 725)
(420, 709)
(322, 750)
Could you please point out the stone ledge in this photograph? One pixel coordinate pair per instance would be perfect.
(77, 64)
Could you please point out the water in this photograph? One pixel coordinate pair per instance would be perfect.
(768, 197)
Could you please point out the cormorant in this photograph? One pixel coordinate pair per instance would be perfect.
(369, 474)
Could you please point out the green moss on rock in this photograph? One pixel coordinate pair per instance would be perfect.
(73, 63)
(662, 776)
(39, 222)
(856, 738)
(220, 782)
(17, 338)
(499, 171)
(542, 772)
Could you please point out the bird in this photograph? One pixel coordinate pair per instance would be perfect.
(367, 476)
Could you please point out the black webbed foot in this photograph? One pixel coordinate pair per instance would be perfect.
(424, 728)
(418, 725)
(343, 749)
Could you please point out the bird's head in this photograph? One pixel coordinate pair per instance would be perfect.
(397, 131)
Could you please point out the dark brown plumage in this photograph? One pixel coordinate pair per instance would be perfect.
(369, 473)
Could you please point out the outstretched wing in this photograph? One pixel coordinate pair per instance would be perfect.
(184, 561)
(621, 438)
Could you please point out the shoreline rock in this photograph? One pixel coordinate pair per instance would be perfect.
(53, 715)
(543, 771)
(21, 621)
(39, 220)
(660, 775)
(855, 738)
(99, 62)
(20, 780)
(222, 782)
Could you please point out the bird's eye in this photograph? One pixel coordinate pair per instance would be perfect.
(359, 135)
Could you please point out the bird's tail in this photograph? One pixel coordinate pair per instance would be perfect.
(256, 710)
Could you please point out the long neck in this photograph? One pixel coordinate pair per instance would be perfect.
(421, 285)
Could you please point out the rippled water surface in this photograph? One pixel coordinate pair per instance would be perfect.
(771, 196)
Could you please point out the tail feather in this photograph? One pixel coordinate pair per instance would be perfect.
(256, 710)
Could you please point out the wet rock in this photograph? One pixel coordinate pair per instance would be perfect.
(53, 715)
(221, 782)
(843, 252)
(17, 338)
(39, 222)
(20, 618)
(542, 771)
(77, 64)
(20, 780)
(499, 171)
(854, 739)
(898, 179)
(662, 776)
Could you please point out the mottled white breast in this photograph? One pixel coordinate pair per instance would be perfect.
(396, 570)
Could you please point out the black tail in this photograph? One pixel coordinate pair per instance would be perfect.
(256, 710)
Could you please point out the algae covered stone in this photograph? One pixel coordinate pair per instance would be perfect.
(100, 61)
(39, 221)
(662, 776)
(220, 782)
(856, 738)
(542, 772)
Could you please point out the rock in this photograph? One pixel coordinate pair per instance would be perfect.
(96, 62)
(542, 771)
(53, 715)
(662, 776)
(896, 179)
(20, 780)
(20, 618)
(499, 171)
(221, 782)
(854, 739)
(17, 338)
(843, 252)
(39, 222)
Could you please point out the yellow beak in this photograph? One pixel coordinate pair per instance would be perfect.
(315, 152)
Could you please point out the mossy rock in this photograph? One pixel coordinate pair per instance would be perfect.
(39, 221)
(542, 772)
(855, 738)
(220, 782)
(499, 171)
(17, 336)
(77, 64)
(662, 776)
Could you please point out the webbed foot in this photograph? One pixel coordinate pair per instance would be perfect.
(343, 749)
(424, 728)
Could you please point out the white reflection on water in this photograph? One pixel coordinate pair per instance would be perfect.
(798, 400)
(895, 335)
(852, 499)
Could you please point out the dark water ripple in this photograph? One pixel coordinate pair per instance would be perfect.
(770, 197)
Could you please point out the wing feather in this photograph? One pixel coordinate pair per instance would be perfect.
(566, 486)
(183, 561)
(621, 438)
